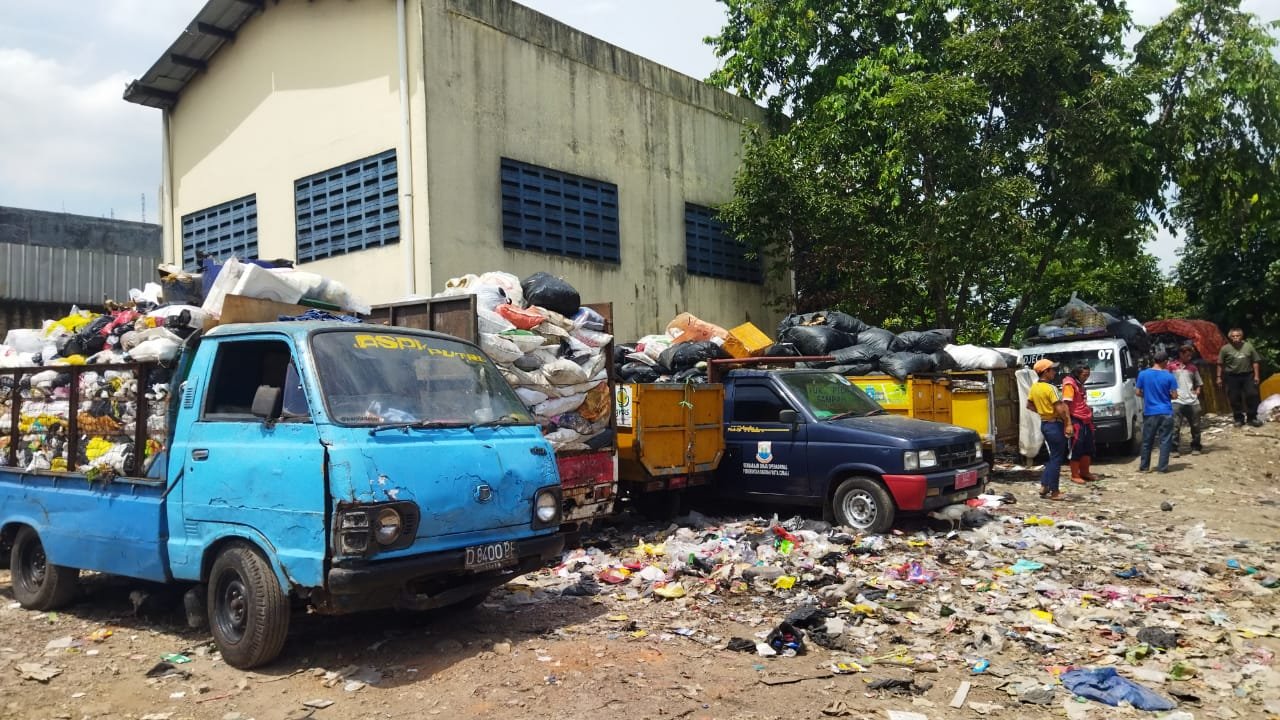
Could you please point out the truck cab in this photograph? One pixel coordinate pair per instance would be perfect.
(811, 437)
(1113, 370)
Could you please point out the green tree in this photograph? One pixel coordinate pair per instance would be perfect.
(936, 155)
(1214, 73)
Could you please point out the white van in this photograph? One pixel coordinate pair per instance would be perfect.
(1117, 410)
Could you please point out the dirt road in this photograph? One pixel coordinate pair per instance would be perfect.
(533, 652)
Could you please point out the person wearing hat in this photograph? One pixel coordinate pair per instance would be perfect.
(1081, 446)
(1055, 424)
(1186, 409)
(1158, 388)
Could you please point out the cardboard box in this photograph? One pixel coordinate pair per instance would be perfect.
(747, 340)
(244, 309)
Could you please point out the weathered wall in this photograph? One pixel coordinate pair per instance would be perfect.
(503, 80)
(306, 86)
(21, 226)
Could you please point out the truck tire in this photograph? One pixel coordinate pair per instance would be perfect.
(37, 584)
(248, 611)
(863, 504)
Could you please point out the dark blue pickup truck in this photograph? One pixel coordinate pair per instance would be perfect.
(810, 437)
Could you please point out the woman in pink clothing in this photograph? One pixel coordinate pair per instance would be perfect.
(1081, 449)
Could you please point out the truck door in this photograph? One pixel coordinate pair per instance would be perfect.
(244, 475)
(763, 456)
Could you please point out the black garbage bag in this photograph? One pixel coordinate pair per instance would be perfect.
(786, 637)
(683, 356)
(923, 341)
(603, 440)
(548, 291)
(859, 354)
(943, 362)
(817, 339)
(620, 353)
(901, 364)
(693, 375)
(782, 350)
(829, 318)
(637, 372)
(1135, 336)
(852, 369)
(878, 339)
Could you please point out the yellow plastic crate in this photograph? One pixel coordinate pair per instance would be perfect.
(746, 340)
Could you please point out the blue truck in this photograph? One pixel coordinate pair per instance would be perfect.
(791, 436)
(344, 466)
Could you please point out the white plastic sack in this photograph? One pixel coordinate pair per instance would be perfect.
(974, 357)
(547, 328)
(24, 340)
(1268, 406)
(131, 340)
(489, 297)
(199, 317)
(499, 348)
(1029, 436)
(491, 322)
(509, 283)
(557, 406)
(642, 358)
(527, 342)
(157, 350)
(259, 282)
(563, 436)
(530, 397)
(591, 338)
(459, 285)
(321, 288)
(564, 372)
(150, 292)
(653, 345)
(226, 281)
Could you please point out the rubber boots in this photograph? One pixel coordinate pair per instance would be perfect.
(1085, 462)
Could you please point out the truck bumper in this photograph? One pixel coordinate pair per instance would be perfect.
(426, 581)
(1110, 430)
(916, 493)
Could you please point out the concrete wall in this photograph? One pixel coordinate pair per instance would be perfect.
(21, 226)
(503, 80)
(306, 86)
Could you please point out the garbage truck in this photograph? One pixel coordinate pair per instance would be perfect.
(793, 437)
(341, 466)
(1110, 389)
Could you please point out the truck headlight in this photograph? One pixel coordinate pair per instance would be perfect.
(911, 460)
(388, 526)
(546, 507)
(977, 449)
(928, 458)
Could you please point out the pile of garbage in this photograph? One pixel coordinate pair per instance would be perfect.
(150, 327)
(1078, 320)
(1022, 603)
(681, 353)
(550, 348)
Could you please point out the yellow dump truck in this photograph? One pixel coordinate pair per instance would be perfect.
(985, 401)
(670, 437)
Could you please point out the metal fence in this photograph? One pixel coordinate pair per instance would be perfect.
(35, 274)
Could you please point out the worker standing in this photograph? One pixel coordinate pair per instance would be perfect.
(1241, 367)
(1081, 447)
(1158, 388)
(1055, 424)
(1186, 409)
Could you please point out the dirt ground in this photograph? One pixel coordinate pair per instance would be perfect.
(533, 653)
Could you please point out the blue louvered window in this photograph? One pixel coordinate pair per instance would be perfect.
(222, 231)
(712, 252)
(559, 213)
(348, 208)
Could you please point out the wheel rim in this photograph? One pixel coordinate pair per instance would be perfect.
(33, 566)
(232, 612)
(859, 508)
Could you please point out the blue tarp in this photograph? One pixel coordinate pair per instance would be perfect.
(1105, 686)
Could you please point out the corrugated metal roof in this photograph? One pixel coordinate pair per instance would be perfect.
(214, 26)
(31, 273)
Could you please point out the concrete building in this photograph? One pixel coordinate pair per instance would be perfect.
(393, 144)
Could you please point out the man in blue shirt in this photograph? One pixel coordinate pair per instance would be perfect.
(1158, 388)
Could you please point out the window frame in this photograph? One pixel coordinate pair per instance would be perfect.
(711, 252)
(783, 402)
(212, 386)
(225, 244)
(584, 225)
(347, 208)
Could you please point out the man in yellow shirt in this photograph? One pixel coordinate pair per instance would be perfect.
(1055, 424)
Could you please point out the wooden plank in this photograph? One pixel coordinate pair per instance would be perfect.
(962, 692)
(242, 309)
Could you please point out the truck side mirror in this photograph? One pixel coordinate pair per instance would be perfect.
(266, 402)
(790, 417)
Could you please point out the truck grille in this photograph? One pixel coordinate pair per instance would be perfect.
(954, 456)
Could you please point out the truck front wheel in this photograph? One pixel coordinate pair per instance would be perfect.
(248, 611)
(37, 583)
(863, 504)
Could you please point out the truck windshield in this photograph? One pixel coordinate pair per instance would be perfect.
(1101, 362)
(390, 378)
(828, 395)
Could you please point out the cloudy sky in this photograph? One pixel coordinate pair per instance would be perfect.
(69, 143)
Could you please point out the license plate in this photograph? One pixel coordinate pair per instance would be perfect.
(491, 556)
(966, 478)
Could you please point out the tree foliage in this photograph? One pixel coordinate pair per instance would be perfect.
(1216, 80)
(956, 163)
